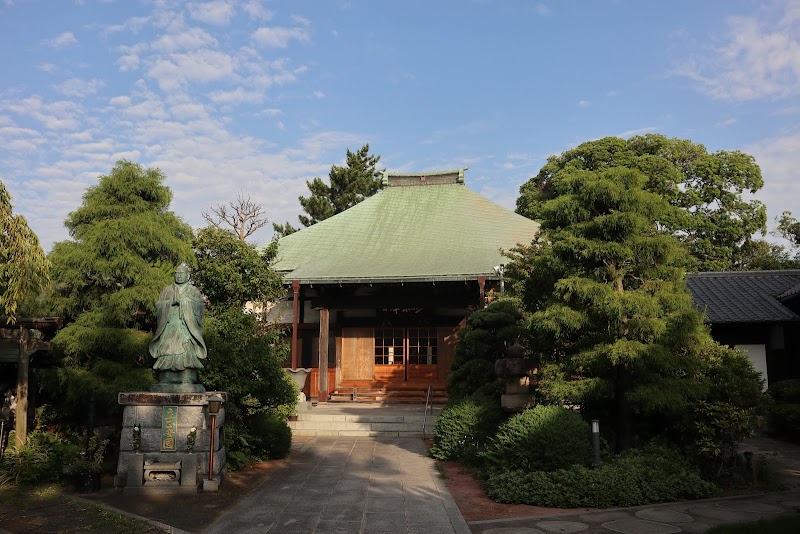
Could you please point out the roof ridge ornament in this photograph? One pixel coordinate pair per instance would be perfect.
(448, 177)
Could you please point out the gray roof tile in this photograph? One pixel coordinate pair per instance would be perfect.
(744, 297)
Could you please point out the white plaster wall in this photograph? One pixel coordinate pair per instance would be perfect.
(757, 354)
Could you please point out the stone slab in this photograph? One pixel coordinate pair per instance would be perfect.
(566, 527)
(721, 514)
(751, 506)
(640, 526)
(513, 530)
(666, 516)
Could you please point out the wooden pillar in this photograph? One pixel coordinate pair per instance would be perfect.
(324, 322)
(295, 322)
(482, 286)
(21, 412)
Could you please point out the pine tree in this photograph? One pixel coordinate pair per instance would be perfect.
(612, 324)
(347, 186)
(125, 246)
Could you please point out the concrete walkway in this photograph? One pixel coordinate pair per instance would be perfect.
(350, 485)
(694, 516)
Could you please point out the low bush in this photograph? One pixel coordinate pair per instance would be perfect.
(38, 461)
(635, 478)
(464, 427)
(544, 438)
(272, 437)
(786, 391)
(784, 421)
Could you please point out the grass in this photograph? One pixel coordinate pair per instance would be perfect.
(49, 509)
(779, 525)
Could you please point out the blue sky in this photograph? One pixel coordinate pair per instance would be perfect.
(259, 96)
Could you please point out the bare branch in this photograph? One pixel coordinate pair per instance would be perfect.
(244, 218)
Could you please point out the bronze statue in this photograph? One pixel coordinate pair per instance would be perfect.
(178, 344)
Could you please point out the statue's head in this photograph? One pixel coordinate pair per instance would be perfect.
(182, 274)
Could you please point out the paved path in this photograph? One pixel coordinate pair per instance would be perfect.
(695, 516)
(350, 486)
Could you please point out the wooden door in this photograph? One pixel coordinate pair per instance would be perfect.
(447, 348)
(358, 353)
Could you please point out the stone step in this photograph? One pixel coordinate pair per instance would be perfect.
(310, 424)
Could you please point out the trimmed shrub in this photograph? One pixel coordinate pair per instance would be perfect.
(784, 421)
(272, 437)
(784, 415)
(786, 391)
(544, 438)
(464, 427)
(635, 478)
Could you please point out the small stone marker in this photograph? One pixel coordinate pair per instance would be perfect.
(667, 516)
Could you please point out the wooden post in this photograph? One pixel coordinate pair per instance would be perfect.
(482, 286)
(295, 322)
(324, 321)
(21, 413)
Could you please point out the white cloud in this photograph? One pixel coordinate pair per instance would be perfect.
(133, 25)
(638, 131)
(79, 88)
(779, 160)
(62, 40)
(758, 58)
(47, 67)
(584, 103)
(60, 115)
(542, 10)
(318, 95)
(202, 66)
(236, 96)
(218, 13)
(727, 122)
(279, 37)
(185, 39)
(128, 62)
(257, 11)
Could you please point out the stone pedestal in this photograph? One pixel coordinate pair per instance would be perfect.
(177, 471)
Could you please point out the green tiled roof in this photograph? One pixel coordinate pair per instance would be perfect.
(412, 233)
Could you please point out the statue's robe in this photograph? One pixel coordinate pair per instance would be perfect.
(178, 342)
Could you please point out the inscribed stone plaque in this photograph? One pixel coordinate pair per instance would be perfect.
(169, 428)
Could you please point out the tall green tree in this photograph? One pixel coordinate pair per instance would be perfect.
(346, 187)
(714, 219)
(611, 322)
(244, 356)
(125, 246)
(23, 265)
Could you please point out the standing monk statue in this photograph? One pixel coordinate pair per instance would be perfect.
(178, 344)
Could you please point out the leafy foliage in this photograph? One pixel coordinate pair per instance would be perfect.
(713, 219)
(613, 326)
(272, 437)
(482, 341)
(125, 245)
(23, 265)
(464, 427)
(346, 187)
(543, 438)
(732, 409)
(784, 417)
(38, 460)
(231, 272)
(244, 359)
(635, 478)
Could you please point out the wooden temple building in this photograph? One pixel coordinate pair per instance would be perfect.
(377, 292)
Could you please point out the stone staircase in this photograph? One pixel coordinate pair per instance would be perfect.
(390, 394)
(360, 420)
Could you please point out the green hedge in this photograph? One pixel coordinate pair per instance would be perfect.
(784, 415)
(544, 438)
(633, 479)
(786, 391)
(464, 427)
(272, 437)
